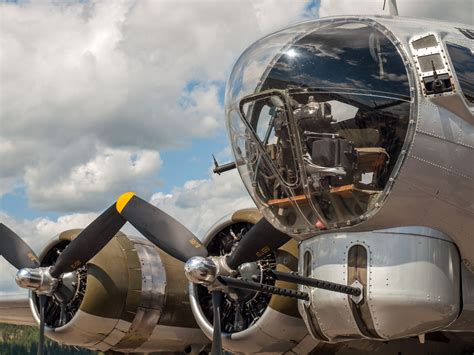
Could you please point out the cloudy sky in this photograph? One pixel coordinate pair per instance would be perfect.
(102, 97)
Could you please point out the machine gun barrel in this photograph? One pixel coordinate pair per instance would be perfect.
(254, 286)
(307, 281)
(219, 169)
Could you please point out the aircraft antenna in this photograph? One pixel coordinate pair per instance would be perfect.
(392, 7)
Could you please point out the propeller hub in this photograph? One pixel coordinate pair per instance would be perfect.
(38, 280)
(67, 287)
(201, 270)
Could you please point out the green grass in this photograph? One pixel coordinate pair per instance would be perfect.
(23, 340)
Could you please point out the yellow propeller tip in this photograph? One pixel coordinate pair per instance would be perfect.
(123, 200)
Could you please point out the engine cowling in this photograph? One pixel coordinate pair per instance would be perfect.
(130, 297)
(258, 322)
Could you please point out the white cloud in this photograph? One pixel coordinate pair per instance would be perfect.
(140, 75)
(453, 10)
(198, 204)
(92, 183)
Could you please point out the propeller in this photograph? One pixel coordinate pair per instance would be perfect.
(259, 241)
(15, 250)
(216, 332)
(20, 255)
(42, 306)
(89, 242)
(158, 227)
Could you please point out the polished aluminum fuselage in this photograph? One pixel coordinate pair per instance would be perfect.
(419, 245)
(434, 186)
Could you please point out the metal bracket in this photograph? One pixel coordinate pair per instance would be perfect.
(357, 299)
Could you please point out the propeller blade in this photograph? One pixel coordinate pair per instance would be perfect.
(89, 242)
(216, 334)
(42, 306)
(161, 229)
(15, 250)
(260, 240)
(62, 314)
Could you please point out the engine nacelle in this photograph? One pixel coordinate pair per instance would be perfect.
(260, 323)
(130, 297)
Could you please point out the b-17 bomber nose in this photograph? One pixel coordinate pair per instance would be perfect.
(319, 133)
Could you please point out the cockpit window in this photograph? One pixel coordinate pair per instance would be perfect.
(463, 63)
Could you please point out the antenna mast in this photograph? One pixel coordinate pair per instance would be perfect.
(392, 7)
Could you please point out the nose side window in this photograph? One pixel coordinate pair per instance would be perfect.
(463, 63)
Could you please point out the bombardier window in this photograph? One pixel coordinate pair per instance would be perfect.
(463, 63)
(350, 143)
